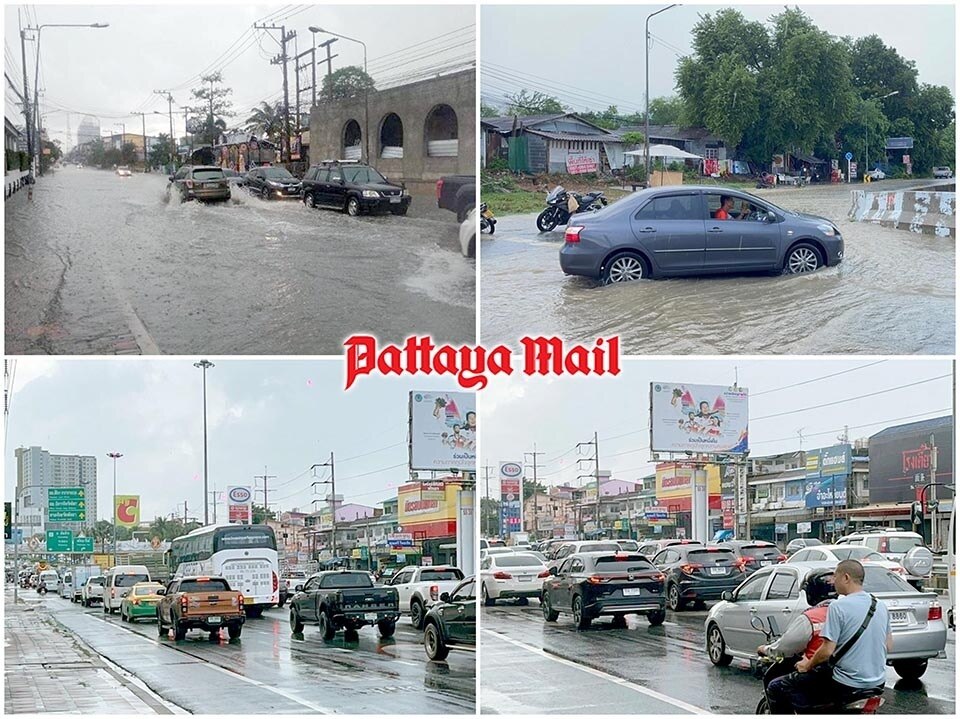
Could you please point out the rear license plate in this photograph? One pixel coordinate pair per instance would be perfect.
(395, 200)
(525, 579)
(765, 562)
(213, 620)
(718, 571)
(211, 184)
(899, 617)
(631, 592)
(370, 616)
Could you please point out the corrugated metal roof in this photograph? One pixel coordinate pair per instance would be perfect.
(575, 136)
(505, 124)
(926, 425)
(673, 132)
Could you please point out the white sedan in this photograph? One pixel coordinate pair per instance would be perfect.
(512, 575)
(124, 171)
(839, 552)
(877, 174)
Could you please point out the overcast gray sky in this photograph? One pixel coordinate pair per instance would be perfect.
(112, 71)
(284, 414)
(592, 56)
(559, 413)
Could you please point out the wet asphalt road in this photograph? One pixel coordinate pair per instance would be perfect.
(531, 667)
(892, 294)
(98, 264)
(270, 671)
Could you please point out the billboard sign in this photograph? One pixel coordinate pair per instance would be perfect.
(804, 527)
(674, 485)
(706, 419)
(443, 431)
(830, 491)
(511, 497)
(432, 490)
(83, 545)
(901, 460)
(240, 505)
(400, 540)
(127, 510)
(427, 518)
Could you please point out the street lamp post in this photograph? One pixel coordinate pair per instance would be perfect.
(114, 456)
(366, 108)
(646, 112)
(866, 132)
(204, 365)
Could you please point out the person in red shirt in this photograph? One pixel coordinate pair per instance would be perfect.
(726, 206)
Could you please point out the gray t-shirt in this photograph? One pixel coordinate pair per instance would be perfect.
(865, 665)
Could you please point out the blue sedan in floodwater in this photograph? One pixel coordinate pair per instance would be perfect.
(696, 230)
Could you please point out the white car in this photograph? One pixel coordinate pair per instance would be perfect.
(839, 552)
(124, 171)
(92, 590)
(877, 174)
(942, 172)
(512, 575)
(468, 235)
(419, 588)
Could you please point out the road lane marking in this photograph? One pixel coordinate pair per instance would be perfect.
(602, 675)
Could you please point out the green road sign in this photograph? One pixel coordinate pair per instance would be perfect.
(66, 504)
(59, 540)
(83, 544)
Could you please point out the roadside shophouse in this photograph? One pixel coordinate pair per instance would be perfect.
(427, 525)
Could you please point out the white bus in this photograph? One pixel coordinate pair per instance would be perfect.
(243, 554)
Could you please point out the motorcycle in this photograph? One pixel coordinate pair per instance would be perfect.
(862, 701)
(558, 207)
(488, 223)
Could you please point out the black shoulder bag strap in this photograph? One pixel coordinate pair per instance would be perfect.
(848, 645)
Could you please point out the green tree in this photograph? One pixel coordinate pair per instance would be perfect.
(865, 132)
(489, 517)
(213, 105)
(528, 488)
(879, 70)
(161, 153)
(632, 139)
(732, 100)
(666, 111)
(129, 154)
(349, 81)
(533, 103)
(261, 515)
(50, 153)
(932, 113)
(488, 110)
(266, 121)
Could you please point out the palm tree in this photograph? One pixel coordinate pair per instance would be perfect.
(266, 120)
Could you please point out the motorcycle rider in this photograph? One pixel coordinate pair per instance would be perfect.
(802, 637)
(822, 680)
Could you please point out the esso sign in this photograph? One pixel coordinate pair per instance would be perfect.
(239, 495)
(511, 469)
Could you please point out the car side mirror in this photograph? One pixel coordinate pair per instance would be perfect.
(161, 592)
(727, 596)
(553, 571)
(298, 588)
(445, 597)
(771, 216)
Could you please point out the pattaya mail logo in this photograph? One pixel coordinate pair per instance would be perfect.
(473, 366)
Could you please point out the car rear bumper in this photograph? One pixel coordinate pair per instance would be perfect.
(204, 623)
(208, 195)
(144, 610)
(574, 260)
(359, 619)
(628, 605)
(709, 589)
(920, 643)
(276, 193)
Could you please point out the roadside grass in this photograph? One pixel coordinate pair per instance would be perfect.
(521, 202)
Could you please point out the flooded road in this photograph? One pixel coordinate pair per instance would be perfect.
(98, 264)
(893, 293)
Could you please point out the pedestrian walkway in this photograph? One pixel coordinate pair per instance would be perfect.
(46, 669)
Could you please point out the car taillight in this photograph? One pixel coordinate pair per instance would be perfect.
(502, 575)
(434, 592)
(189, 183)
(596, 579)
(136, 602)
(659, 577)
(276, 582)
(572, 235)
(543, 575)
(690, 568)
(239, 600)
(782, 558)
(184, 603)
(113, 593)
(934, 612)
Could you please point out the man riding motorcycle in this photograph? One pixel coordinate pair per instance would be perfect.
(851, 656)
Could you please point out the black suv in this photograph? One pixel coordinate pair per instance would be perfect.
(451, 621)
(696, 573)
(353, 188)
(272, 183)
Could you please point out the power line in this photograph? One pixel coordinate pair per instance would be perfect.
(816, 379)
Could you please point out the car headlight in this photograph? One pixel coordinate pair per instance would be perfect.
(404, 192)
(828, 230)
(271, 183)
(372, 194)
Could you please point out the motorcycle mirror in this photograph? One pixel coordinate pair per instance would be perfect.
(918, 561)
(757, 624)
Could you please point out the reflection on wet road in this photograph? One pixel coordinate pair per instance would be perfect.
(892, 294)
(531, 667)
(100, 264)
(269, 670)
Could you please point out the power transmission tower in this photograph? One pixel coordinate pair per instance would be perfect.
(281, 59)
(536, 508)
(265, 477)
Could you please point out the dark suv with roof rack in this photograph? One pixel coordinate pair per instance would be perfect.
(353, 187)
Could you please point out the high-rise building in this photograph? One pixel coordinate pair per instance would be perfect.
(37, 471)
(88, 130)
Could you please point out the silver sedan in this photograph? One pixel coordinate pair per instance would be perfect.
(916, 618)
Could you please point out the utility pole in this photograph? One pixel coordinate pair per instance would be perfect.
(173, 141)
(265, 477)
(186, 129)
(934, 534)
(486, 473)
(205, 365)
(28, 125)
(281, 59)
(213, 494)
(143, 121)
(536, 508)
(596, 473)
(333, 508)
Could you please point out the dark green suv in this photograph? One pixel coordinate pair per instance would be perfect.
(353, 187)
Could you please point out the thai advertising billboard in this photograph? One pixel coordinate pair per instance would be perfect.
(443, 431)
(707, 419)
(675, 485)
(901, 460)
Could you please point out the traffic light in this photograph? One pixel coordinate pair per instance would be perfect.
(916, 513)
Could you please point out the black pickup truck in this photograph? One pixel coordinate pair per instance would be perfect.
(344, 600)
(457, 193)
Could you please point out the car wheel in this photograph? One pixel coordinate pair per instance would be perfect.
(234, 630)
(802, 259)
(417, 614)
(762, 707)
(623, 267)
(549, 613)
(716, 647)
(327, 630)
(264, 193)
(910, 668)
(580, 617)
(309, 200)
(254, 612)
(105, 610)
(523, 601)
(386, 627)
(215, 636)
(488, 601)
(353, 207)
(179, 632)
(433, 643)
(656, 618)
(296, 626)
(674, 602)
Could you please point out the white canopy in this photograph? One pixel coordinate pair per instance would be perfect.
(664, 151)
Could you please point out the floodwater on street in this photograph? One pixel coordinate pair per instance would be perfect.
(894, 293)
(531, 667)
(100, 264)
(268, 670)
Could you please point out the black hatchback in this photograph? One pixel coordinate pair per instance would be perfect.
(353, 187)
(272, 183)
(697, 573)
(595, 584)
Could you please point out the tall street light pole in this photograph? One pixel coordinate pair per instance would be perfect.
(28, 126)
(866, 132)
(114, 456)
(36, 74)
(646, 112)
(204, 364)
(366, 107)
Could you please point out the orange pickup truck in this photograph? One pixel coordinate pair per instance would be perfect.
(205, 603)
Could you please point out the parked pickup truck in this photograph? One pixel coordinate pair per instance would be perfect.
(457, 193)
(344, 600)
(419, 588)
(205, 603)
